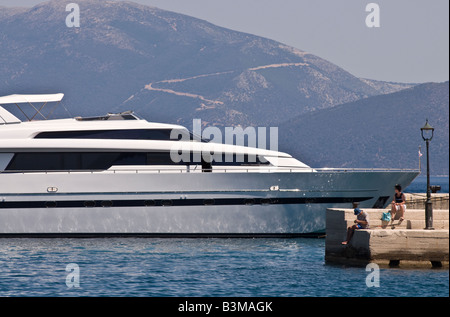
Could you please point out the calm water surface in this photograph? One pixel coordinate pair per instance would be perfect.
(196, 267)
(201, 267)
(419, 185)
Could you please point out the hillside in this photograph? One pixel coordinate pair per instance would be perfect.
(166, 66)
(381, 131)
(170, 67)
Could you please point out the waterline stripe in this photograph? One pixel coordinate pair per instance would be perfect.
(195, 192)
(177, 202)
(87, 235)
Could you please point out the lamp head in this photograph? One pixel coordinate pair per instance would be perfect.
(426, 128)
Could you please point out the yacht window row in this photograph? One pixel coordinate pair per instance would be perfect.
(126, 134)
(60, 161)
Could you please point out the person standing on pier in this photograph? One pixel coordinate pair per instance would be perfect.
(361, 222)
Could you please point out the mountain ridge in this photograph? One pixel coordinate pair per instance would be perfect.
(121, 47)
(377, 132)
(170, 67)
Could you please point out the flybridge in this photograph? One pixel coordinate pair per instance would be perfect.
(6, 117)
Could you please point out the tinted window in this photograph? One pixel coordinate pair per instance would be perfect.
(104, 160)
(131, 134)
(36, 161)
(131, 158)
(247, 160)
(160, 158)
(73, 161)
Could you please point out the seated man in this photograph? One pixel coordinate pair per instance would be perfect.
(361, 222)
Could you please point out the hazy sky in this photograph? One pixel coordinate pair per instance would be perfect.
(411, 44)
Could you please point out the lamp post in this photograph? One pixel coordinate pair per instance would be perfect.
(426, 136)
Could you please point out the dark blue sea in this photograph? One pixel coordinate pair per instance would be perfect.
(419, 185)
(197, 268)
(135, 267)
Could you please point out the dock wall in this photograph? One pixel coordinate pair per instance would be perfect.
(404, 244)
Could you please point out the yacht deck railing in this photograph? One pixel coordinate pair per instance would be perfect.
(218, 170)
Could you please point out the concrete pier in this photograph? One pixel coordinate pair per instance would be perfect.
(394, 244)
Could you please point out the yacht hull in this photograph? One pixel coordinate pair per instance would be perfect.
(88, 204)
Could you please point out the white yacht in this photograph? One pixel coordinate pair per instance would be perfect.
(114, 175)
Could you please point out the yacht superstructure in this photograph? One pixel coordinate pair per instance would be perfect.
(120, 175)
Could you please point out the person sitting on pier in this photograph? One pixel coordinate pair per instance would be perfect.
(398, 204)
(361, 222)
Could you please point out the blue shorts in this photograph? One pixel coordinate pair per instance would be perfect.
(358, 226)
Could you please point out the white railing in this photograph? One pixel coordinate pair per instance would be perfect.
(343, 170)
(272, 169)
